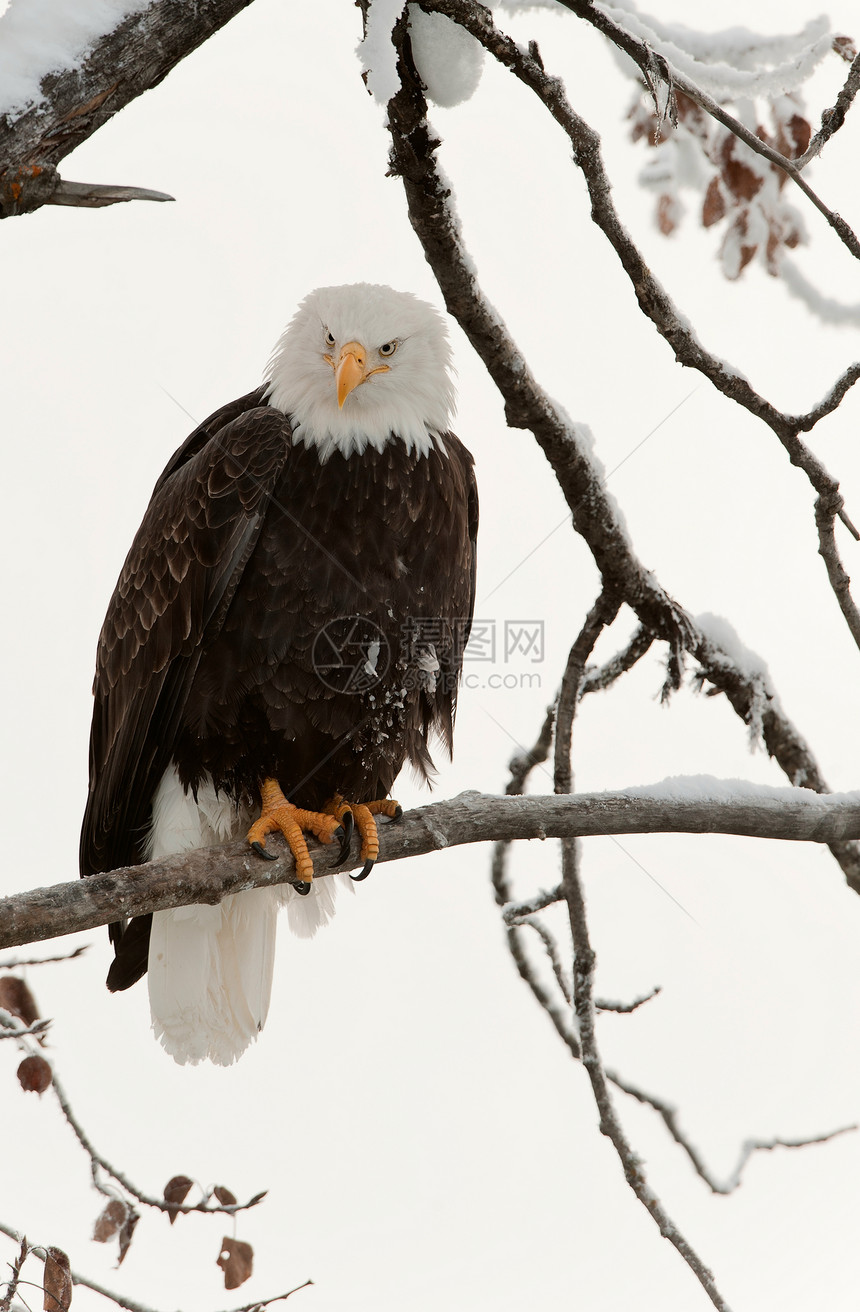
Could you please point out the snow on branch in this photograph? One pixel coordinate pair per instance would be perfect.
(657, 68)
(698, 805)
(81, 89)
(567, 445)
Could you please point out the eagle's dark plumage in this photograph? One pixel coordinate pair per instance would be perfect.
(294, 607)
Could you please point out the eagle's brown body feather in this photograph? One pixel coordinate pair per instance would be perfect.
(249, 549)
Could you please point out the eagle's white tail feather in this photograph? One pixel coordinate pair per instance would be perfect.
(210, 968)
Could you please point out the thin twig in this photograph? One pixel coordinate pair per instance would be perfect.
(14, 963)
(669, 1115)
(99, 1163)
(624, 1008)
(131, 1304)
(12, 1284)
(149, 1200)
(11, 1029)
(517, 911)
(584, 959)
(522, 765)
(600, 616)
(641, 53)
(551, 949)
(598, 678)
(634, 1174)
(832, 119)
(653, 299)
(595, 516)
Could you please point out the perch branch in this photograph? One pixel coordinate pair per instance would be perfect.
(210, 874)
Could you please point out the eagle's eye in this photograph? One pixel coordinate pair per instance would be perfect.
(388, 348)
(329, 338)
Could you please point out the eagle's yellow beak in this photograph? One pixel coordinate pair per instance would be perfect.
(351, 369)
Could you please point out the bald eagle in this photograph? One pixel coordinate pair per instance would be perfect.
(286, 633)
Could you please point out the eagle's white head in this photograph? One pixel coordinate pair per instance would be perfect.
(362, 365)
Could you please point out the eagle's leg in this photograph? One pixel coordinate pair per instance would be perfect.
(293, 822)
(363, 814)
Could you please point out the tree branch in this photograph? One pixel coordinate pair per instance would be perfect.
(595, 515)
(669, 1116)
(76, 102)
(208, 875)
(652, 65)
(130, 1304)
(602, 613)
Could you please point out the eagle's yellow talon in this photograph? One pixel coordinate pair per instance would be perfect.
(293, 822)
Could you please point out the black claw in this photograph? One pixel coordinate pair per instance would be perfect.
(347, 825)
(368, 866)
(261, 851)
(398, 814)
(302, 887)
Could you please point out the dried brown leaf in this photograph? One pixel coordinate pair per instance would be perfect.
(742, 181)
(714, 207)
(126, 1233)
(110, 1220)
(57, 1282)
(800, 133)
(15, 997)
(224, 1196)
(845, 47)
(175, 1192)
(667, 215)
(34, 1075)
(236, 1260)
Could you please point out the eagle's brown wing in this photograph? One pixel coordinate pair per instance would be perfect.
(171, 597)
(459, 586)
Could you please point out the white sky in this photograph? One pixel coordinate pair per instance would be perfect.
(425, 1140)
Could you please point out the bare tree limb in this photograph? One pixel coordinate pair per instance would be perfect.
(832, 119)
(634, 1174)
(584, 960)
(594, 513)
(12, 1284)
(209, 874)
(76, 102)
(600, 616)
(412, 156)
(669, 1115)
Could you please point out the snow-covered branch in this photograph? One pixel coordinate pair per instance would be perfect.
(658, 68)
(66, 105)
(691, 806)
(567, 445)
